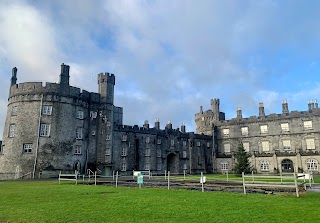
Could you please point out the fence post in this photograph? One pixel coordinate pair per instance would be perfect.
(117, 179)
(76, 177)
(227, 176)
(202, 189)
(59, 177)
(296, 184)
(95, 178)
(281, 175)
(168, 180)
(165, 174)
(149, 174)
(244, 184)
(132, 174)
(252, 177)
(184, 174)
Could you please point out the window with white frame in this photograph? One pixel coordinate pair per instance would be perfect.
(79, 133)
(124, 137)
(45, 130)
(159, 153)
(264, 165)
(14, 110)
(246, 146)
(244, 131)
(77, 149)
(224, 166)
(208, 144)
(312, 164)
(108, 151)
(79, 114)
(184, 143)
(124, 151)
(12, 128)
(147, 152)
(263, 129)
(184, 166)
(158, 141)
(284, 127)
(123, 166)
(93, 132)
(148, 139)
(46, 109)
(265, 146)
(147, 164)
(286, 144)
(198, 143)
(226, 147)
(225, 132)
(184, 154)
(307, 125)
(172, 142)
(27, 148)
(310, 144)
(108, 137)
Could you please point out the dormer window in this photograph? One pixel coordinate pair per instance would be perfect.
(263, 129)
(244, 131)
(225, 132)
(307, 125)
(284, 127)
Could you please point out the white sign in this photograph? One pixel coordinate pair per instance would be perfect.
(135, 173)
(202, 179)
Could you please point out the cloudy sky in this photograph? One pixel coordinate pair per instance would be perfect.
(169, 57)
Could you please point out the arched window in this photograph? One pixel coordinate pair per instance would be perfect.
(312, 164)
(264, 165)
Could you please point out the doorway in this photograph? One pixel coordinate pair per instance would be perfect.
(287, 166)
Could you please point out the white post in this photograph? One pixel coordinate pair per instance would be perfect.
(89, 176)
(281, 175)
(149, 174)
(117, 179)
(184, 174)
(252, 177)
(59, 177)
(244, 184)
(168, 180)
(202, 182)
(113, 175)
(227, 176)
(296, 184)
(95, 178)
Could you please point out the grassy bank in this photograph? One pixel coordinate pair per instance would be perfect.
(51, 202)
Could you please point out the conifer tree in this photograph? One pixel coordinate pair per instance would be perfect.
(243, 164)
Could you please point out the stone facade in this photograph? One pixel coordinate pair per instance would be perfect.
(284, 142)
(56, 127)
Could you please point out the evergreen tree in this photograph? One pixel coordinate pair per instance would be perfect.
(243, 164)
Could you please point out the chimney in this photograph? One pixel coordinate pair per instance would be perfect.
(201, 111)
(315, 103)
(312, 104)
(157, 124)
(261, 109)
(183, 127)
(309, 105)
(14, 76)
(285, 109)
(64, 76)
(169, 125)
(239, 112)
(146, 124)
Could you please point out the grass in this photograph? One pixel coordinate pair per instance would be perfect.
(50, 202)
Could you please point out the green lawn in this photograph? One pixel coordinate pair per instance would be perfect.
(51, 202)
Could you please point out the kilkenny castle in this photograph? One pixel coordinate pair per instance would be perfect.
(55, 127)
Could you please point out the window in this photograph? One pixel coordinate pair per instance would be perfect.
(224, 166)
(108, 159)
(108, 151)
(124, 137)
(244, 131)
(80, 114)
(286, 144)
(246, 146)
(124, 151)
(45, 130)
(172, 142)
(184, 166)
(198, 143)
(147, 164)
(184, 143)
(108, 123)
(123, 167)
(310, 144)
(27, 148)
(148, 139)
(77, 150)
(159, 166)
(312, 164)
(184, 154)
(208, 144)
(93, 132)
(264, 165)
(147, 152)
(225, 132)
(108, 137)
(265, 146)
(159, 141)
(46, 110)
(14, 110)
(284, 127)
(226, 147)
(307, 125)
(263, 129)
(158, 152)
(11, 130)
(79, 133)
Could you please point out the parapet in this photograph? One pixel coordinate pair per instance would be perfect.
(106, 77)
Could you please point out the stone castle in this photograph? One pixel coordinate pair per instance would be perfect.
(58, 127)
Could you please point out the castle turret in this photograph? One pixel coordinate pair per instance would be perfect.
(106, 84)
(261, 110)
(309, 105)
(169, 125)
(64, 76)
(215, 108)
(285, 109)
(239, 113)
(183, 127)
(14, 76)
(146, 124)
(157, 124)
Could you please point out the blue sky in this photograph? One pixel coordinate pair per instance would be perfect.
(169, 57)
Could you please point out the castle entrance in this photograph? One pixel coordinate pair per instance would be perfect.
(172, 163)
(287, 166)
(77, 166)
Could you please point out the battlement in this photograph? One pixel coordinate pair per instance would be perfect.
(106, 77)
